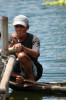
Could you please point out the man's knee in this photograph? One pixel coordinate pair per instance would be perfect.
(21, 56)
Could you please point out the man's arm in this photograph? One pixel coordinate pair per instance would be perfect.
(33, 53)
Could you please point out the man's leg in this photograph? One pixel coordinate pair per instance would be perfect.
(26, 65)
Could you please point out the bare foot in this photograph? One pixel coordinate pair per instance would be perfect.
(27, 85)
(19, 79)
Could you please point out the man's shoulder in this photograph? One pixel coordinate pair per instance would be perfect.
(32, 35)
(29, 34)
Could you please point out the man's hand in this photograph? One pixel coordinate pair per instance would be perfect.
(14, 40)
(18, 46)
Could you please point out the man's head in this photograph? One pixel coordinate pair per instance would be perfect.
(21, 25)
(21, 20)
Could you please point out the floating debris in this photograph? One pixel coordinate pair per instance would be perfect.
(55, 3)
(11, 24)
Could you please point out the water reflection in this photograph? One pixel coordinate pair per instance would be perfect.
(34, 96)
(26, 96)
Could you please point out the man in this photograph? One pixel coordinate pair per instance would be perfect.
(27, 65)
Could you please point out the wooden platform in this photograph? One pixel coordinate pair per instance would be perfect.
(44, 87)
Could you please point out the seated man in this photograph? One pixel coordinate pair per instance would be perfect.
(27, 45)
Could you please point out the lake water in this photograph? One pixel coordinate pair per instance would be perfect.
(49, 24)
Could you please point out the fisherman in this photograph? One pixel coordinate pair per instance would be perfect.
(27, 46)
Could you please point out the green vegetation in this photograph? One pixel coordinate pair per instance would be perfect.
(56, 3)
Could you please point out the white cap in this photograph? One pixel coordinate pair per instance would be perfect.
(21, 20)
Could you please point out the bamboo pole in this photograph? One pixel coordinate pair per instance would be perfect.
(9, 51)
(6, 75)
(4, 34)
(4, 52)
(8, 70)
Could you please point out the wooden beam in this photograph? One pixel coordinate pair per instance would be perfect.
(4, 34)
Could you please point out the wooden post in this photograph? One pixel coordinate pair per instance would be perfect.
(4, 34)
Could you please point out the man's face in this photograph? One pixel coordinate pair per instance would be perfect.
(20, 30)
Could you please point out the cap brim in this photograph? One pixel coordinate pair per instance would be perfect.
(19, 23)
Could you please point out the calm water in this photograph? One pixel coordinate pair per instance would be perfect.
(49, 24)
